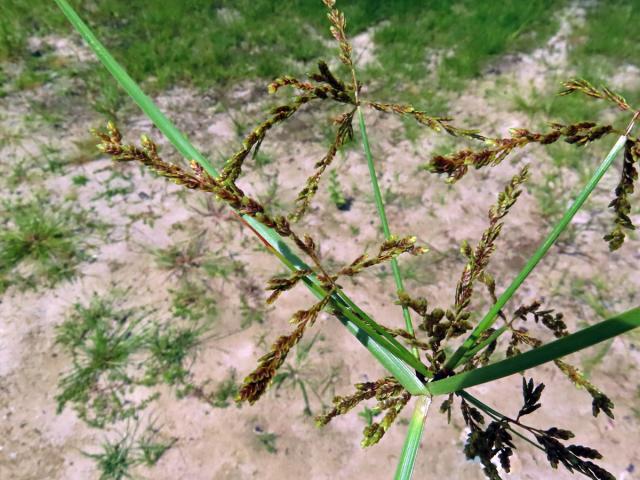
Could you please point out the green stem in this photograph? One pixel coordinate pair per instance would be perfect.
(493, 337)
(407, 460)
(453, 361)
(383, 220)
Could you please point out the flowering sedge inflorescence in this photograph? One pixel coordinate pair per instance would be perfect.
(437, 324)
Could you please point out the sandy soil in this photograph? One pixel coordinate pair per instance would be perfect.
(35, 443)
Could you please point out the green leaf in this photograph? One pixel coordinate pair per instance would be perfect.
(559, 348)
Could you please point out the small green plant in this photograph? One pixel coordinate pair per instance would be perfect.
(250, 314)
(335, 193)
(181, 258)
(118, 457)
(114, 351)
(80, 180)
(41, 243)
(368, 414)
(103, 341)
(266, 439)
(226, 391)
(421, 362)
(193, 301)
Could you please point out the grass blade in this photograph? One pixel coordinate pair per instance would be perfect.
(490, 317)
(398, 361)
(407, 460)
(559, 348)
(383, 220)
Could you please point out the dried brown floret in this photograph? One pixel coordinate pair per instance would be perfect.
(279, 285)
(478, 259)
(344, 133)
(389, 249)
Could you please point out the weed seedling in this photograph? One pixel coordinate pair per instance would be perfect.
(40, 243)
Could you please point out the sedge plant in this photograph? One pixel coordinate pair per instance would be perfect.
(415, 355)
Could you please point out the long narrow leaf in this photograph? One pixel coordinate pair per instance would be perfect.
(491, 316)
(559, 348)
(382, 349)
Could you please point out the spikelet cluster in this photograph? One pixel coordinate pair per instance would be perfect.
(604, 93)
(456, 165)
(257, 382)
(621, 203)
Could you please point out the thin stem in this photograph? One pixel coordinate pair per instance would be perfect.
(407, 461)
(453, 361)
(383, 220)
(489, 340)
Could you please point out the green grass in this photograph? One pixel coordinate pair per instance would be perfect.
(41, 243)
(226, 391)
(102, 339)
(114, 350)
(193, 301)
(474, 32)
(605, 42)
(117, 457)
(171, 352)
(216, 43)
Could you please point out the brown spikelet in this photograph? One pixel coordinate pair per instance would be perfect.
(148, 156)
(380, 389)
(456, 165)
(279, 285)
(436, 124)
(329, 88)
(338, 30)
(344, 133)
(373, 433)
(389, 249)
(257, 382)
(409, 337)
(625, 188)
(583, 86)
(478, 259)
(286, 81)
(600, 402)
(418, 305)
(233, 166)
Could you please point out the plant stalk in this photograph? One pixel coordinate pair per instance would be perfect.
(384, 222)
(407, 460)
